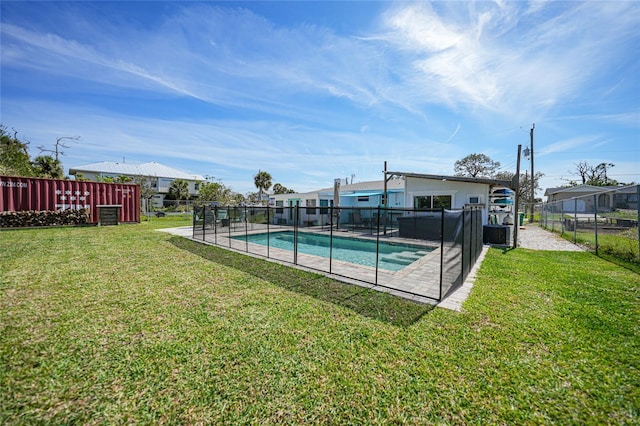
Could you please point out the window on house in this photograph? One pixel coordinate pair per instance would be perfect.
(442, 202)
(197, 186)
(279, 206)
(432, 202)
(363, 199)
(325, 204)
(311, 204)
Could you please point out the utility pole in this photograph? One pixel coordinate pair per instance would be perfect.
(517, 202)
(526, 192)
(533, 186)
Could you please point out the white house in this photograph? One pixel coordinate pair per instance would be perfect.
(316, 203)
(404, 191)
(425, 191)
(161, 176)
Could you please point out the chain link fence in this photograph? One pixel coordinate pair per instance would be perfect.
(413, 253)
(605, 222)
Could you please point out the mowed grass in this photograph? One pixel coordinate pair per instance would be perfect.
(114, 325)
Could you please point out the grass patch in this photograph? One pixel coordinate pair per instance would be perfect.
(126, 325)
(620, 247)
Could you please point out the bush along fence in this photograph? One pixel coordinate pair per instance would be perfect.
(413, 253)
(43, 218)
(605, 222)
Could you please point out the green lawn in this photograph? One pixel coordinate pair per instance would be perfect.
(123, 324)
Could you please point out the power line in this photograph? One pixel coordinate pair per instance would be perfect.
(610, 175)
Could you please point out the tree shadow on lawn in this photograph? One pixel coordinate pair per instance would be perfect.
(370, 303)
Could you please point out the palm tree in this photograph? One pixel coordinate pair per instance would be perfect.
(48, 167)
(180, 189)
(262, 181)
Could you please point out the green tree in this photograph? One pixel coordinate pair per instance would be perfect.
(14, 155)
(237, 198)
(476, 165)
(215, 191)
(262, 181)
(80, 177)
(146, 192)
(280, 189)
(48, 167)
(180, 189)
(252, 197)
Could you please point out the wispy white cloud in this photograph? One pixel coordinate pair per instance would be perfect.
(567, 144)
(496, 59)
(483, 57)
(455, 132)
(226, 148)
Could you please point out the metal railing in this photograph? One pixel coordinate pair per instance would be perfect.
(422, 253)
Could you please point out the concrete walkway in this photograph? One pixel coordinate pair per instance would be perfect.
(532, 236)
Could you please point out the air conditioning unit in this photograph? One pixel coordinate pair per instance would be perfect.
(475, 199)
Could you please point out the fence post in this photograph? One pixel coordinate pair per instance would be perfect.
(204, 222)
(215, 224)
(595, 217)
(575, 221)
(441, 251)
(330, 237)
(246, 230)
(296, 217)
(229, 224)
(377, 246)
(462, 257)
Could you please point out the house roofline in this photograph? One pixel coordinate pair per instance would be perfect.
(469, 179)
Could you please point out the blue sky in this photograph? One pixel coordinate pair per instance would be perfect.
(312, 91)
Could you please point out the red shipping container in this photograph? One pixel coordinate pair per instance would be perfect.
(26, 193)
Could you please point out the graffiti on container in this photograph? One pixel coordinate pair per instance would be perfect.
(71, 197)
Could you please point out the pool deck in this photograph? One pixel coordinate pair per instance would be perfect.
(419, 281)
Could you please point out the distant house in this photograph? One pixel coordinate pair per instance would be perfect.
(361, 194)
(583, 198)
(161, 176)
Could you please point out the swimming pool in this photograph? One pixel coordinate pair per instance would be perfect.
(393, 256)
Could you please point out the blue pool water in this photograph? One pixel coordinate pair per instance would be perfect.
(393, 257)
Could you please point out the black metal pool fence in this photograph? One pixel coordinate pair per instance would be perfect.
(412, 253)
